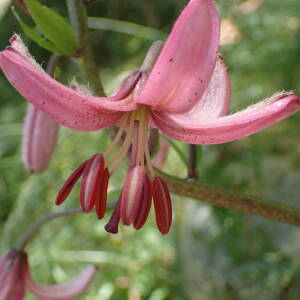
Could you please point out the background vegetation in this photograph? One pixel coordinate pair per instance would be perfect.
(211, 252)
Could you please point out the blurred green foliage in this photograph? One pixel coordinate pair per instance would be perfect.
(210, 253)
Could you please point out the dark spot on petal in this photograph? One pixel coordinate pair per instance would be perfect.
(43, 103)
(171, 59)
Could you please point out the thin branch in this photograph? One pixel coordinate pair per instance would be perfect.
(78, 18)
(36, 225)
(32, 230)
(192, 170)
(199, 190)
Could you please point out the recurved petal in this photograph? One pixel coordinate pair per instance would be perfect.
(65, 105)
(11, 280)
(231, 127)
(186, 63)
(65, 291)
(39, 139)
(216, 100)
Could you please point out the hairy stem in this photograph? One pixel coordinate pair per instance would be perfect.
(78, 18)
(199, 190)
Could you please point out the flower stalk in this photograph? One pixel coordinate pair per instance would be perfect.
(31, 231)
(192, 170)
(202, 191)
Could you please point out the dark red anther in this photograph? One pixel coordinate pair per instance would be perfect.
(162, 205)
(113, 223)
(131, 194)
(90, 189)
(102, 199)
(144, 204)
(69, 184)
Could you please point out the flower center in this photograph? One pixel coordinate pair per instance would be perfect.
(135, 125)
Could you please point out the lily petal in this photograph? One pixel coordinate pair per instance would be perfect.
(65, 291)
(11, 280)
(228, 128)
(186, 63)
(216, 100)
(65, 105)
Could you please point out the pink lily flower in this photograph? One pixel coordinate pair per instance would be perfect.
(15, 277)
(186, 95)
(39, 139)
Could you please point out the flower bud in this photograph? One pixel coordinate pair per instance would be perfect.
(39, 139)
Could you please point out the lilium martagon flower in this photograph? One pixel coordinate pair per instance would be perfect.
(15, 278)
(182, 89)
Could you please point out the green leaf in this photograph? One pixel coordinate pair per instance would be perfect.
(125, 27)
(54, 27)
(40, 40)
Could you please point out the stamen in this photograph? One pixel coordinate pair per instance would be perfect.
(118, 135)
(162, 205)
(124, 148)
(146, 146)
(113, 223)
(134, 145)
(148, 161)
(69, 184)
(141, 137)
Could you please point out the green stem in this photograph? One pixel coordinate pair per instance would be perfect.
(192, 170)
(78, 18)
(199, 190)
(36, 225)
(32, 230)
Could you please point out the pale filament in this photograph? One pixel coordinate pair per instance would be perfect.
(118, 135)
(148, 160)
(120, 155)
(143, 123)
(143, 146)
